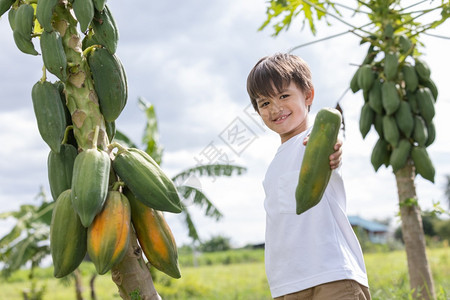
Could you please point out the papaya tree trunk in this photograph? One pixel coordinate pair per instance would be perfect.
(421, 280)
(132, 276)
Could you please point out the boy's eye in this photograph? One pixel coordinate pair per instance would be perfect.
(265, 103)
(284, 96)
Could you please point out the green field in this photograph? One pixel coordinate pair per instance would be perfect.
(234, 274)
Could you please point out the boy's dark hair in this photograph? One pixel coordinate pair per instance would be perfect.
(272, 73)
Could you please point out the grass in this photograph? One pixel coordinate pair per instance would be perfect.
(236, 274)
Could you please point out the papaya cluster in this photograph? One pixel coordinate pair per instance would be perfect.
(101, 197)
(399, 97)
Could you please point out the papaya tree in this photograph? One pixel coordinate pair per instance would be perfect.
(75, 117)
(399, 98)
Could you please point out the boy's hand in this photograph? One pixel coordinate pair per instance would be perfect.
(335, 158)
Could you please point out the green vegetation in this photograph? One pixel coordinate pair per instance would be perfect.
(232, 274)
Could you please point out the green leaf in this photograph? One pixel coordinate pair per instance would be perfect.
(151, 134)
(200, 199)
(211, 170)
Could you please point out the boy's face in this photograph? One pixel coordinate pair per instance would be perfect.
(286, 113)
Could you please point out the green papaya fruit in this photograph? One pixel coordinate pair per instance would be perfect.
(410, 77)
(23, 28)
(422, 163)
(378, 124)
(60, 169)
(405, 119)
(412, 100)
(375, 97)
(400, 154)
(5, 5)
(105, 29)
(109, 82)
(354, 86)
(380, 154)
(422, 69)
(425, 104)
(390, 65)
(50, 115)
(44, 13)
(389, 97)
(366, 119)
(420, 133)
(365, 77)
(53, 54)
(67, 237)
(12, 18)
(433, 88)
(390, 130)
(90, 182)
(431, 132)
(99, 4)
(84, 12)
(405, 44)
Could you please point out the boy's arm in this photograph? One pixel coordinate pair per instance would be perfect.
(336, 157)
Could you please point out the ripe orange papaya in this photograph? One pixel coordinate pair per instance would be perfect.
(108, 236)
(155, 237)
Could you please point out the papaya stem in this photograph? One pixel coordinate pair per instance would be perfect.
(117, 185)
(66, 134)
(88, 50)
(94, 140)
(44, 74)
(116, 145)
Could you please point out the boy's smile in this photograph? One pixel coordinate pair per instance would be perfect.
(286, 112)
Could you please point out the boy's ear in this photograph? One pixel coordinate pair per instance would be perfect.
(310, 97)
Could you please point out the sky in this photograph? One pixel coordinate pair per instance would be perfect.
(191, 60)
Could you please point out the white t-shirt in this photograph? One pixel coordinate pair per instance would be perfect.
(315, 247)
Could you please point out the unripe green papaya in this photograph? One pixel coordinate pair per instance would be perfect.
(366, 119)
(390, 65)
(155, 237)
(375, 97)
(354, 86)
(422, 69)
(315, 171)
(420, 133)
(90, 183)
(110, 130)
(423, 163)
(389, 97)
(146, 180)
(5, 5)
(405, 44)
(380, 154)
(433, 88)
(390, 130)
(99, 4)
(60, 169)
(425, 103)
(67, 237)
(365, 77)
(53, 54)
(44, 13)
(23, 28)
(405, 119)
(50, 115)
(431, 131)
(370, 56)
(84, 12)
(109, 81)
(400, 155)
(388, 31)
(410, 77)
(12, 18)
(108, 236)
(378, 124)
(412, 100)
(105, 29)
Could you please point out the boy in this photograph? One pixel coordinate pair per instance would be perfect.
(315, 255)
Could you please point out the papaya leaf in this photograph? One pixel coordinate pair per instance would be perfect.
(192, 230)
(211, 170)
(151, 134)
(198, 198)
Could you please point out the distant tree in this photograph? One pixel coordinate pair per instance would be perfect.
(216, 243)
(447, 190)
